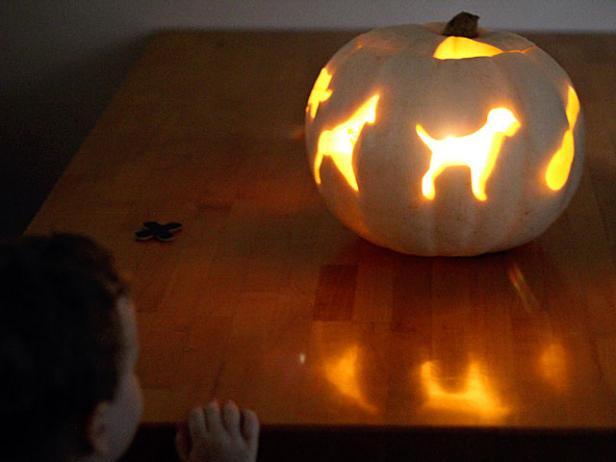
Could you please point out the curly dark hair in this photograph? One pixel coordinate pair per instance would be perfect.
(61, 342)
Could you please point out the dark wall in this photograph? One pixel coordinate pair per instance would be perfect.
(54, 83)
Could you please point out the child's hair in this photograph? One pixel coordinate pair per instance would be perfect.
(61, 343)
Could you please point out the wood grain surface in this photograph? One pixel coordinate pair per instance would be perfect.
(267, 299)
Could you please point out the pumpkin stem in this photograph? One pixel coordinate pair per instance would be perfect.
(462, 25)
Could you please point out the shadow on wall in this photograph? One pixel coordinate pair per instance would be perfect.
(43, 122)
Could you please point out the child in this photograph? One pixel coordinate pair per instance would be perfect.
(68, 349)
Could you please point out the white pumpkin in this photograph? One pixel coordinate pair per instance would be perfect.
(444, 145)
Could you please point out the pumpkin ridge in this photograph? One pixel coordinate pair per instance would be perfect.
(520, 203)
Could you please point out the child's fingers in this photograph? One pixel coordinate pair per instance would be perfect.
(213, 418)
(231, 418)
(196, 424)
(182, 442)
(250, 426)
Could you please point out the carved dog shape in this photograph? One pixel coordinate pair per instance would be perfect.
(478, 151)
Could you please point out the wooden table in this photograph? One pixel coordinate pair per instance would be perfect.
(266, 298)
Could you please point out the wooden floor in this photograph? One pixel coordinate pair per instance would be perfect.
(266, 298)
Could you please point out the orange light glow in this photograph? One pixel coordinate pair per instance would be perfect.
(553, 365)
(559, 167)
(339, 142)
(320, 92)
(519, 283)
(478, 151)
(475, 398)
(462, 48)
(342, 373)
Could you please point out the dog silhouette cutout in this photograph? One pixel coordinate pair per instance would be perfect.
(478, 151)
(320, 93)
(339, 142)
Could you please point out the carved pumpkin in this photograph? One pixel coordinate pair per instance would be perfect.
(433, 144)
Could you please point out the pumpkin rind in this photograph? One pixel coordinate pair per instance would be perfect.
(450, 97)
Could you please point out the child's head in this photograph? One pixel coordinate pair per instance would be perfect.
(67, 351)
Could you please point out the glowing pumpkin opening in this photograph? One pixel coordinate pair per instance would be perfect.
(319, 93)
(478, 151)
(463, 48)
(339, 142)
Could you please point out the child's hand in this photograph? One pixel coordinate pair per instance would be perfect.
(219, 435)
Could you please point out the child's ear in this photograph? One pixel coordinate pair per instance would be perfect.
(97, 431)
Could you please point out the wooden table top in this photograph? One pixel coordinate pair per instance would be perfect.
(267, 299)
